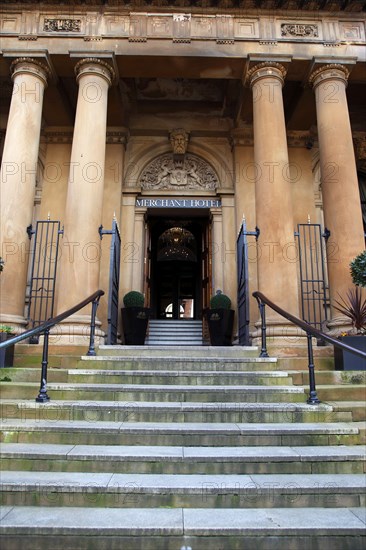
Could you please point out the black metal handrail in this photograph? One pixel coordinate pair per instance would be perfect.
(45, 329)
(310, 332)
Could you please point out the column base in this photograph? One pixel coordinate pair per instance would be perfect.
(17, 322)
(284, 339)
(75, 331)
(339, 325)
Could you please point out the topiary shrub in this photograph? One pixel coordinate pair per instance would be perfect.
(134, 299)
(220, 301)
(358, 269)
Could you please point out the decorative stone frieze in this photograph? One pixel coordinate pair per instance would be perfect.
(192, 173)
(62, 25)
(299, 30)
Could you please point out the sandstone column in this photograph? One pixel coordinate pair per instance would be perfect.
(341, 198)
(277, 273)
(18, 182)
(80, 261)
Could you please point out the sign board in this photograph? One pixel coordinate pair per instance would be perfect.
(188, 202)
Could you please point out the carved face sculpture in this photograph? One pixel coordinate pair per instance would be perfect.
(179, 141)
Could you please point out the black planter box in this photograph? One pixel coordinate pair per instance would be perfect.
(345, 360)
(220, 325)
(135, 321)
(7, 354)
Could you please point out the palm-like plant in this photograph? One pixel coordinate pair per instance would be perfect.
(354, 307)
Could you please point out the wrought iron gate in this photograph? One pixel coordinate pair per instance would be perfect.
(243, 282)
(314, 288)
(43, 272)
(114, 269)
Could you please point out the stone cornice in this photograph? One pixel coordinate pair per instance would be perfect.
(224, 6)
(182, 24)
(66, 136)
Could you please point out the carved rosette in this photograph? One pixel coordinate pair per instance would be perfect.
(267, 69)
(332, 71)
(192, 173)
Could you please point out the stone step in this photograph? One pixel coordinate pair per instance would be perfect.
(214, 363)
(181, 529)
(182, 433)
(334, 392)
(180, 351)
(182, 377)
(123, 411)
(178, 490)
(183, 460)
(166, 341)
(155, 392)
(333, 377)
(128, 376)
(357, 409)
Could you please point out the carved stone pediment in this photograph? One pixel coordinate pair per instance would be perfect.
(190, 173)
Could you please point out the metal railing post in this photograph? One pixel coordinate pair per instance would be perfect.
(91, 350)
(262, 311)
(42, 396)
(313, 397)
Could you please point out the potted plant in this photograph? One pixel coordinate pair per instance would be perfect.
(220, 320)
(353, 307)
(7, 354)
(135, 318)
(358, 269)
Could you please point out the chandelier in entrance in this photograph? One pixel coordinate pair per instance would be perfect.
(177, 243)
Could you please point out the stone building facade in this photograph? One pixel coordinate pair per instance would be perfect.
(178, 119)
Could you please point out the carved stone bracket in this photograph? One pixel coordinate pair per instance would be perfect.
(192, 173)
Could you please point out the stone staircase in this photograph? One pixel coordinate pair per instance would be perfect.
(174, 448)
(170, 332)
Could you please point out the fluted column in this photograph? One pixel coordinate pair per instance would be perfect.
(341, 198)
(18, 183)
(277, 271)
(80, 262)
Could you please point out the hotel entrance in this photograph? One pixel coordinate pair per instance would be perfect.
(178, 266)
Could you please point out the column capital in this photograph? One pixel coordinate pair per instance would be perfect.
(267, 69)
(29, 65)
(331, 71)
(94, 66)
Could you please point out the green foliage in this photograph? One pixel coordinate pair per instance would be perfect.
(354, 307)
(6, 328)
(134, 299)
(220, 301)
(358, 269)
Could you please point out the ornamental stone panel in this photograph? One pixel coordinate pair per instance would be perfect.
(190, 173)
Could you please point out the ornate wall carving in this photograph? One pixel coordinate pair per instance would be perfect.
(62, 25)
(191, 173)
(299, 30)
